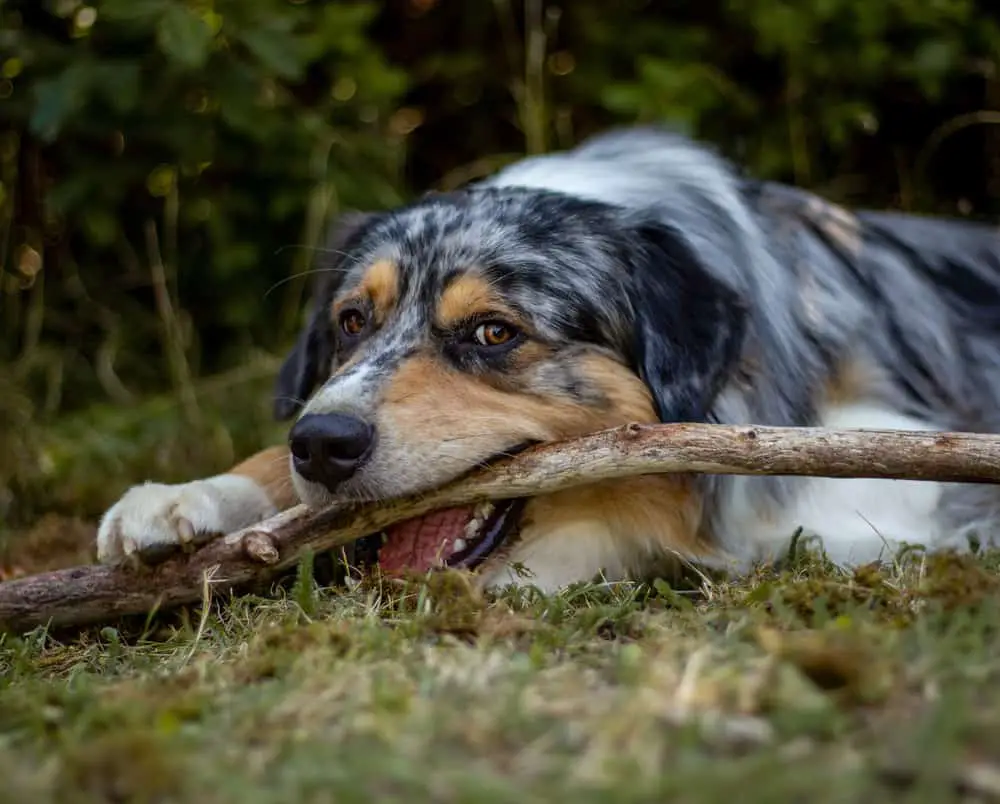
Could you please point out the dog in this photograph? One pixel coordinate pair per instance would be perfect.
(636, 278)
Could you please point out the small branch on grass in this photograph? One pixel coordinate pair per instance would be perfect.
(83, 595)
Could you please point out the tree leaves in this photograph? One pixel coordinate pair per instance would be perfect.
(118, 82)
(245, 96)
(277, 51)
(133, 11)
(184, 37)
(210, 120)
(58, 98)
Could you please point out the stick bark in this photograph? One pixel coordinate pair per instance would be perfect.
(90, 594)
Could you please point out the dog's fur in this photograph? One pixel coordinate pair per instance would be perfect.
(651, 283)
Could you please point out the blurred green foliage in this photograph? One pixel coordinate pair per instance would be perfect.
(167, 167)
(206, 136)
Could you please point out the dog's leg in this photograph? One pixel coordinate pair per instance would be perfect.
(157, 515)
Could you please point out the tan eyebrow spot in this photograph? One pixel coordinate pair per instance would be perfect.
(467, 296)
(380, 284)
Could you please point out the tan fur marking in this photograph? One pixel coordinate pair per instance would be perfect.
(646, 515)
(428, 400)
(852, 381)
(629, 398)
(517, 372)
(270, 470)
(432, 409)
(467, 296)
(380, 284)
(527, 355)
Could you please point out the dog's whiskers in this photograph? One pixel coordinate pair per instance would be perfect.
(337, 269)
(297, 400)
(306, 247)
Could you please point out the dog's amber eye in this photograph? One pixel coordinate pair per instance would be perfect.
(352, 322)
(493, 333)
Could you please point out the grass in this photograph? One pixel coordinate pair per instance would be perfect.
(801, 683)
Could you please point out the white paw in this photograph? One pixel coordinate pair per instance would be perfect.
(153, 520)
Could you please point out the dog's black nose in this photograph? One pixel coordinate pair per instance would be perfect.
(328, 448)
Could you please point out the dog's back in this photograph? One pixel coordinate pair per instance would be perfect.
(929, 286)
(857, 319)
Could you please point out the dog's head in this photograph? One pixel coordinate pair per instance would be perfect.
(469, 325)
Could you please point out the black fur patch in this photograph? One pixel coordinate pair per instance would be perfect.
(688, 326)
(309, 362)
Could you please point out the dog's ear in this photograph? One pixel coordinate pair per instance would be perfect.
(299, 374)
(689, 326)
(312, 353)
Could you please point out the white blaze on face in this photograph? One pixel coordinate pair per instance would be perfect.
(349, 393)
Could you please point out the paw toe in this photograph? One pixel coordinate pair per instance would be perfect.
(152, 522)
(156, 553)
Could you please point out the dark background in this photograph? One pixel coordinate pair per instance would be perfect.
(167, 169)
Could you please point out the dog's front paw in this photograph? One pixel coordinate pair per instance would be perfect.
(154, 520)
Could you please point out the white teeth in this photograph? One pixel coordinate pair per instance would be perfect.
(459, 545)
(480, 514)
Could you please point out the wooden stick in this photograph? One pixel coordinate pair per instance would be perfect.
(88, 594)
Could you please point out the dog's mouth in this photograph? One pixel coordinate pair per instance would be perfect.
(459, 538)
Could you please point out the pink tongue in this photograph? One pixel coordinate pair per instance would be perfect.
(421, 543)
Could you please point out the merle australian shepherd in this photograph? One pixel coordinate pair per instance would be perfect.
(637, 278)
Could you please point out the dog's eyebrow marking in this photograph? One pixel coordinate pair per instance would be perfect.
(466, 296)
(380, 284)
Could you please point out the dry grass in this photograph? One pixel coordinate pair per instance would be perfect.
(805, 683)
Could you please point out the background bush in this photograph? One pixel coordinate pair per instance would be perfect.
(167, 167)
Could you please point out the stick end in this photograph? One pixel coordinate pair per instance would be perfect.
(259, 547)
